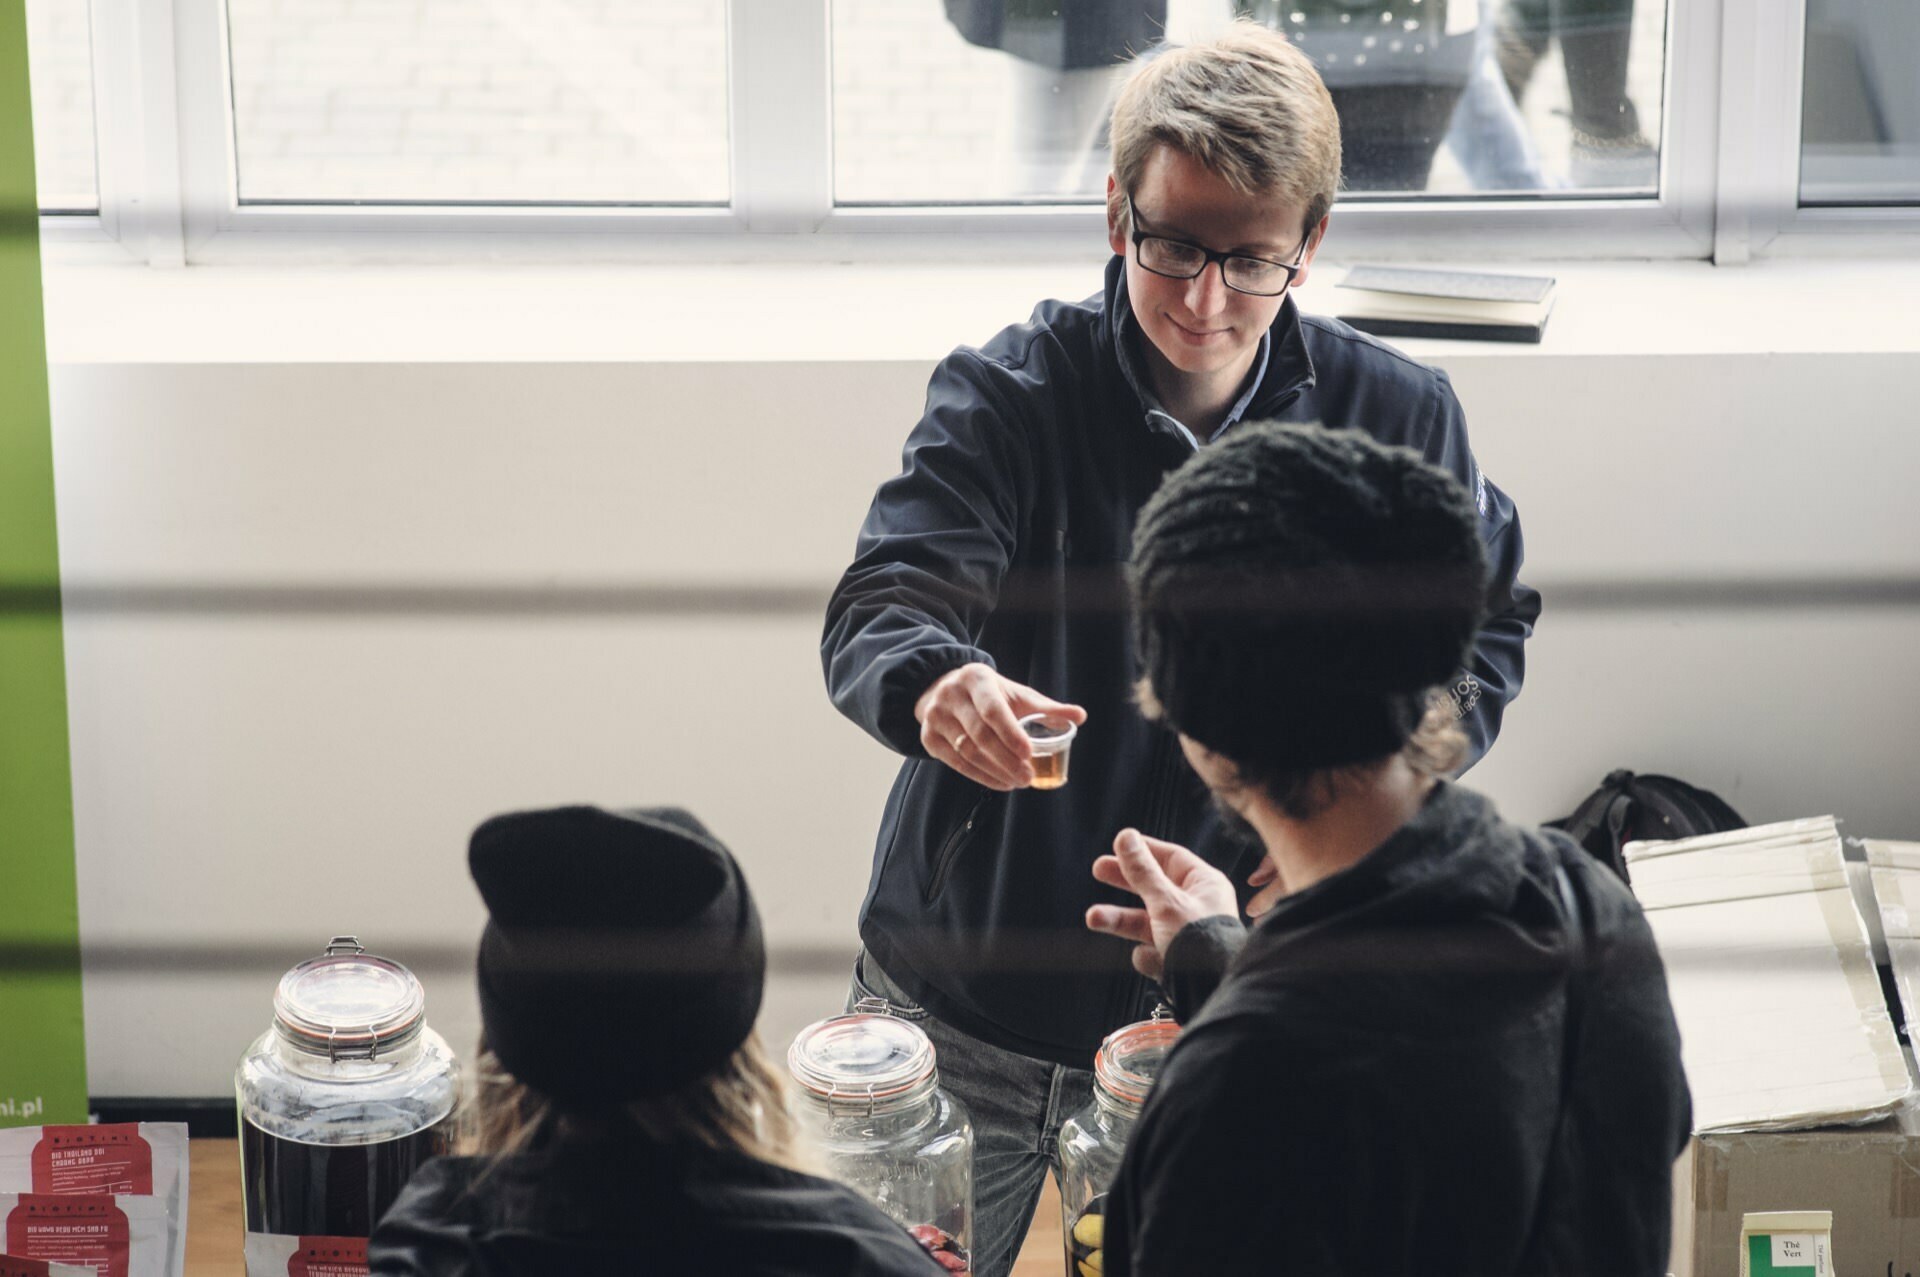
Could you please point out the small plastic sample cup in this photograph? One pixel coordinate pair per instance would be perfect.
(1052, 738)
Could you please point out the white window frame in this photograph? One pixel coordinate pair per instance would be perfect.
(169, 195)
(1761, 212)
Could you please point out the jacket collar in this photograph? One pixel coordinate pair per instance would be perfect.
(1284, 367)
(1455, 856)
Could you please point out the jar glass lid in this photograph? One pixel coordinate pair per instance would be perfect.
(860, 1055)
(1130, 1059)
(348, 1003)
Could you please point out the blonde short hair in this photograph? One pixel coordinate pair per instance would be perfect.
(1246, 105)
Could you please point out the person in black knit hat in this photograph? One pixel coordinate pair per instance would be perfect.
(626, 1118)
(1444, 1045)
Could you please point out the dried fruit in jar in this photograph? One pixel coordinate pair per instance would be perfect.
(943, 1246)
(1088, 1235)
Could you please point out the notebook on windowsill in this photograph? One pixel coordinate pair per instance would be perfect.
(1392, 301)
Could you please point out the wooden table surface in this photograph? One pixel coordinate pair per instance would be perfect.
(214, 1225)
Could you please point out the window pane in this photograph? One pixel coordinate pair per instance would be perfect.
(1860, 126)
(60, 66)
(986, 101)
(482, 101)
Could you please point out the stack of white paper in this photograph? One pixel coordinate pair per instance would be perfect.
(1782, 1021)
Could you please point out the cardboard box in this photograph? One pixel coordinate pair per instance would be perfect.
(1783, 1023)
(1868, 1176)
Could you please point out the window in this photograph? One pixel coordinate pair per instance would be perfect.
(479, 101)
(1860, 114)
(996, 101)
(229, 129)
(930, 110)
(60, 55)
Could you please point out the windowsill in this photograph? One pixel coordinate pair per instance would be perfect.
(831, 312)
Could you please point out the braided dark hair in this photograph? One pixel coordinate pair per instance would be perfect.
(1298, 593)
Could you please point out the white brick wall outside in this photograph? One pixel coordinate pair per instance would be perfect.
(59, 50)
(478, 100)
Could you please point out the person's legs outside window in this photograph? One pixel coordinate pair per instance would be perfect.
(1487, 135)
(1390, 132)
(1054, 138)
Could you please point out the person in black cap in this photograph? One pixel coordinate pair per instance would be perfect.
(1445, 1044)
(626, 1118)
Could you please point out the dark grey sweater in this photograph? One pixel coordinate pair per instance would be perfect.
(629, 1207)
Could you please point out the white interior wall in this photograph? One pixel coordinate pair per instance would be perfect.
(264, 781)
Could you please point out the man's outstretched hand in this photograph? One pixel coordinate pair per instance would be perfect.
(1175, 886)
(970, 720)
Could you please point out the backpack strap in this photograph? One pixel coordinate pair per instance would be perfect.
(1576, 933)
(1576, 968)
(1617, 837)
(1606, 808)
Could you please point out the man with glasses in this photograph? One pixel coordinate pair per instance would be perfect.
(988, 586)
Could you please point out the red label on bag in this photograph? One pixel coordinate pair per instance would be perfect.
(92, 1159)
(85, 1230)
(329, 1257)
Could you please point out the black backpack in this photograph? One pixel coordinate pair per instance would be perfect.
(1627, 807)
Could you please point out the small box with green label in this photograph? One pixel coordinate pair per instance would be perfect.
(1786, 1244)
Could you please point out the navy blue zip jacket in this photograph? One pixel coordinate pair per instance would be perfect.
(1004, 540)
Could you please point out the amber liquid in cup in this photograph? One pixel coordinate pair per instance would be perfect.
(1052, 739)
(1050, 770)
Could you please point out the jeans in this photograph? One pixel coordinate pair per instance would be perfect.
(1488, 135)
(1017, 1105)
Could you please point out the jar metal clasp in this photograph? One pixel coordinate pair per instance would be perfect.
(836, 1096)
(369, 1052)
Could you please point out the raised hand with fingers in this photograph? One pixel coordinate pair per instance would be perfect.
(970, 720)
(1175, 887)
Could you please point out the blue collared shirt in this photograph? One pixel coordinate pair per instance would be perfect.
(1157, 415)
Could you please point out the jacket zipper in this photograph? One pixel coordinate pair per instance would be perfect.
(950, 851)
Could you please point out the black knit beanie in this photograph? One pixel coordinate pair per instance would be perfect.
(1298, 592)
(623, 955)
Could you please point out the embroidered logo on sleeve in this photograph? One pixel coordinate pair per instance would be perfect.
(1465, 694)
(1480, 490)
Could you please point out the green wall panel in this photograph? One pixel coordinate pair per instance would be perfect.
(43, 1075)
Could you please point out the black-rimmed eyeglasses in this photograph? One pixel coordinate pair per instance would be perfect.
(1177, 259)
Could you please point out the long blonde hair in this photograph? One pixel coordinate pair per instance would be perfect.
(740, 1107)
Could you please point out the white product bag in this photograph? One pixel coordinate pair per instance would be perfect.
(105, 1235)
(130, 1159)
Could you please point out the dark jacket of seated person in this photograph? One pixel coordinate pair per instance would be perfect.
(1445, 1046)
(627, 1207)
(626, 1119)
